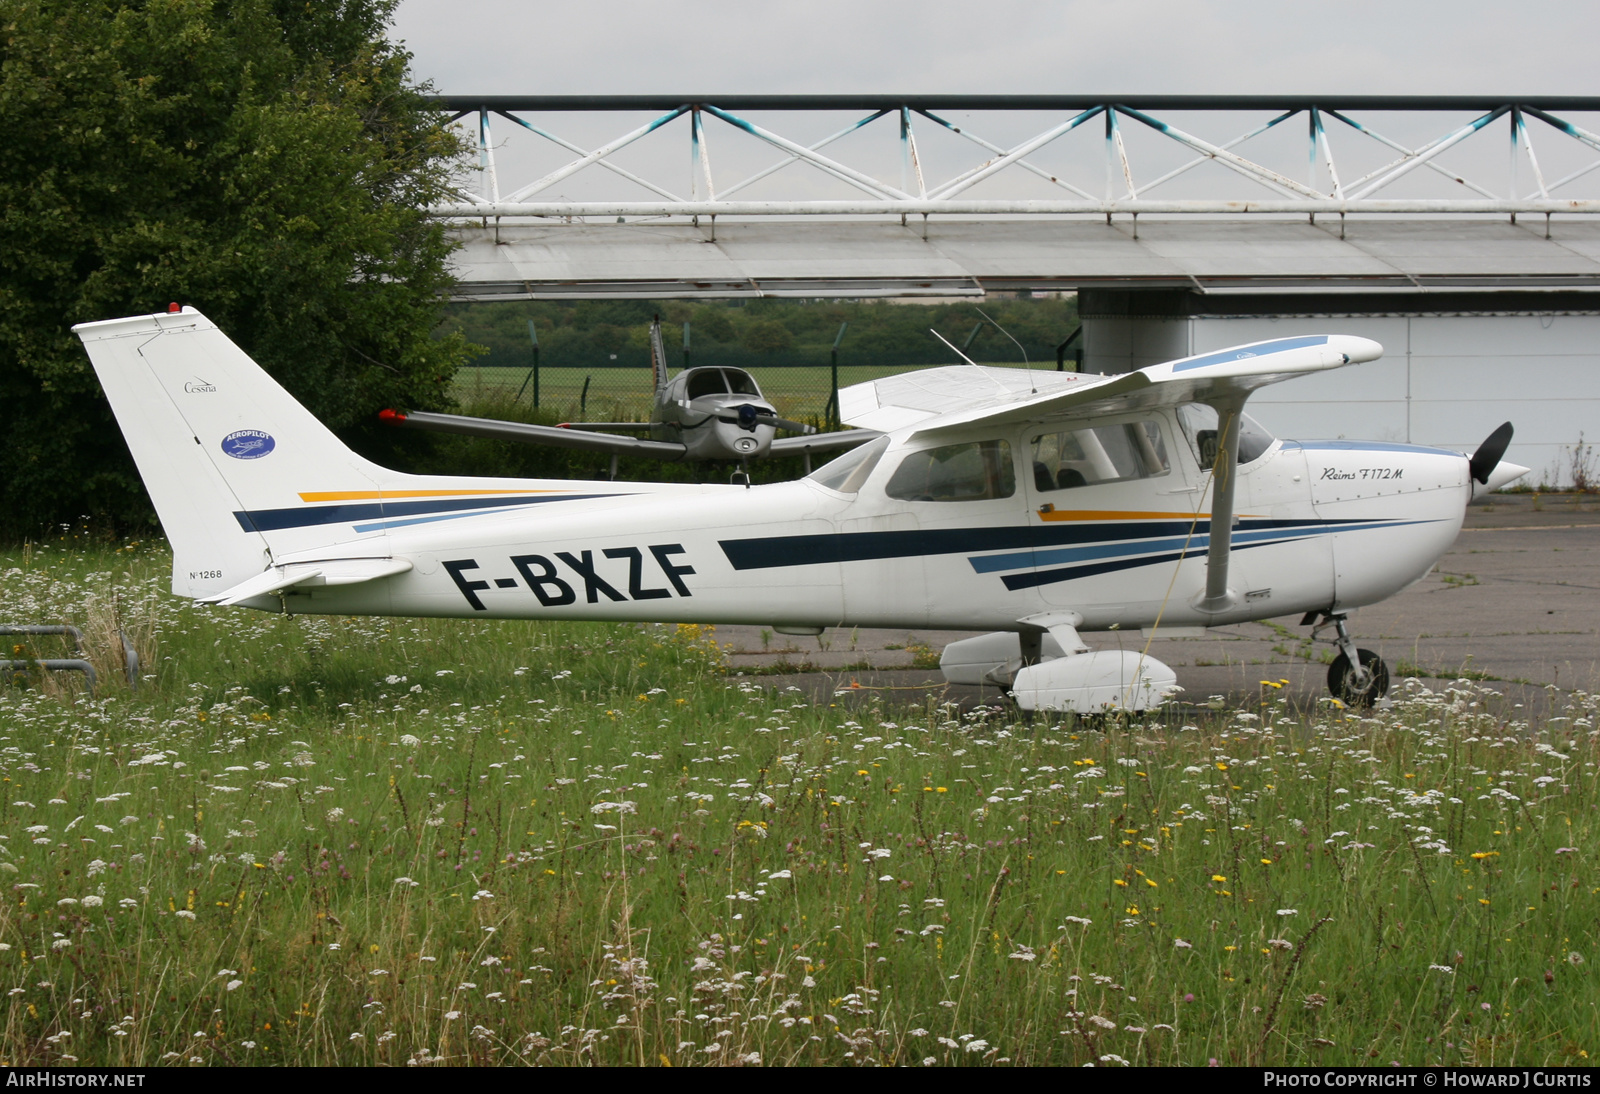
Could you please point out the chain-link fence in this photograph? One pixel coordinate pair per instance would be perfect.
(623, 393)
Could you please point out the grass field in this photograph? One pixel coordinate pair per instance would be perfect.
(327, 841)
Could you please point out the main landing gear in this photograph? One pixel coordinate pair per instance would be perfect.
(1357, 678)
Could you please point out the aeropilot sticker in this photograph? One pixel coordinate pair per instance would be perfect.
(248, 444)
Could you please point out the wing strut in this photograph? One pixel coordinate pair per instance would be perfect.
(1224, 477)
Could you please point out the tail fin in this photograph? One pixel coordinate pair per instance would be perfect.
(659, 371)
(223, 449)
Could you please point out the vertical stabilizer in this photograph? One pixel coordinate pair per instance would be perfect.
(227, 455)
(658, 356)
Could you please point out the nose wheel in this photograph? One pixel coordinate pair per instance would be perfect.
(1358, 689)
(1357, 678)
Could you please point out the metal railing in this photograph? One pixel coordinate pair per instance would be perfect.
(1374, 173)
(16, 666)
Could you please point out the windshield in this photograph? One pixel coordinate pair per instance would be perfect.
(849, 471)
(1200, 426)
(705, 381)
(741, 382)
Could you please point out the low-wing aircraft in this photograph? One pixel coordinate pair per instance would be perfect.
(1038, 506)
(707, 413)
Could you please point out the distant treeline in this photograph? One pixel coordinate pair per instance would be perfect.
(763, 333)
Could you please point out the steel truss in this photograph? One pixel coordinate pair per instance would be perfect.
(1268, 190)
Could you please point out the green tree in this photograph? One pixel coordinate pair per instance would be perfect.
(263, 160)
(767, 336)
(711, 323)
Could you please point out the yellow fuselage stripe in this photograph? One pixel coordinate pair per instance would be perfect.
(379, 495)
(1115, 514)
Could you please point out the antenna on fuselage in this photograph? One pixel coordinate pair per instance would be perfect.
(953, 349)
(1025, 362)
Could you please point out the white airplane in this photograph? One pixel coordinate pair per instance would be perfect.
(701, 414)
(1037, 505)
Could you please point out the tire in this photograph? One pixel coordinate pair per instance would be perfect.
(1342, 684)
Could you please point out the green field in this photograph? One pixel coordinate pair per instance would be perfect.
(625, 394)
(368, 841)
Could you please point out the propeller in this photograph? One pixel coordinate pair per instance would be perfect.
(1487, 457)
(748, 416)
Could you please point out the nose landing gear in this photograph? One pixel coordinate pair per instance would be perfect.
(1357, 678)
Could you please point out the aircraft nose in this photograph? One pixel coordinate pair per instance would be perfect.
(1504, 472)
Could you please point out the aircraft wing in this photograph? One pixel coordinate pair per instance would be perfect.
(533, 434)
(944, 403)
(821, 442)
(602, 427)
(898, 401)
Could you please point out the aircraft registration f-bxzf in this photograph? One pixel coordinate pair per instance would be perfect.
(1035, 505)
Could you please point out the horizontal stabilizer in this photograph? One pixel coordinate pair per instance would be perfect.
(338, 571)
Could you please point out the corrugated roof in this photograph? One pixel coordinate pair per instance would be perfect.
(864, 258)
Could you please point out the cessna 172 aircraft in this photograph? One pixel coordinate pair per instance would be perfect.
(1039, 506)
(700, 414)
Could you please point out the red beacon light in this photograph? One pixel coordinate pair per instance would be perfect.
(389, 414)
(173, 308)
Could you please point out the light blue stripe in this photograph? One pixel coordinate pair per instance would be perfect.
(1282, 345)
(1197, 545)
(380, 525)
(1017, 560)
(1372, 446)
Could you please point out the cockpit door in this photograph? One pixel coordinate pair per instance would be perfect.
(1110, 501)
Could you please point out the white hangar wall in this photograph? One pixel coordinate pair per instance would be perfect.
(1445, 380)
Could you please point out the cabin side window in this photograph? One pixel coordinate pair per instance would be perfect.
(956, 472)
(1106, 453)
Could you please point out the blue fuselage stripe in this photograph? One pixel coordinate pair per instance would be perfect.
(272, 520)
(814, 550)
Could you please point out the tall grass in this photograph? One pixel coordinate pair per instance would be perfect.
(325, 841)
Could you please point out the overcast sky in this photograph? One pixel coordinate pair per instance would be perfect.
(1195, 46)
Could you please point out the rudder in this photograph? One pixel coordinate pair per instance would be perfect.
(180, 388)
